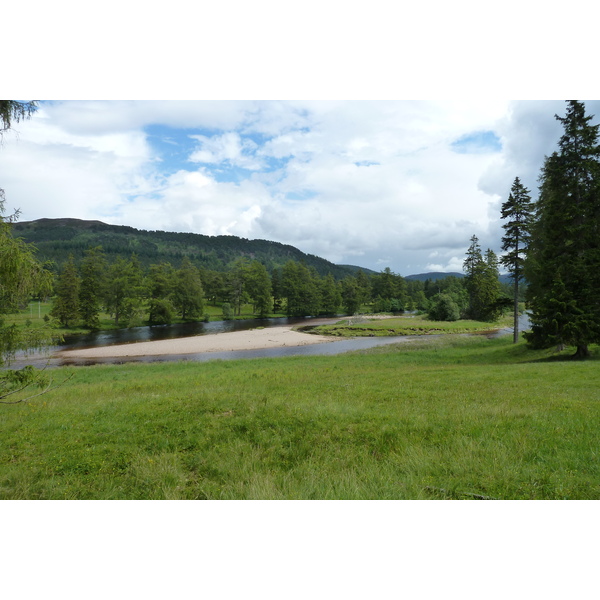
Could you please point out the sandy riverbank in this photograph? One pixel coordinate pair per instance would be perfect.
(253, 339)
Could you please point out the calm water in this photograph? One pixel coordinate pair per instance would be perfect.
(164, 332)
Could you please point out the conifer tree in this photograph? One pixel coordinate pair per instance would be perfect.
(188, 295)
(331, 296)
(518, 209)
(93, 274)
(563, 264)
(481, 281)
(124, 290)
(258, 286)
(66, 302)
(161, 285)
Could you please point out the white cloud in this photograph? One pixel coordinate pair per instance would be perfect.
(377, 183)
(227, 148)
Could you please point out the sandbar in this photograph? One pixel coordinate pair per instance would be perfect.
(252, 339)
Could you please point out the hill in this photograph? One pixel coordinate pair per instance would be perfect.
(434, 276)
(55, 239)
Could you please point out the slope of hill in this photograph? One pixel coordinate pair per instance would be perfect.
(434, 276)
(55, 239)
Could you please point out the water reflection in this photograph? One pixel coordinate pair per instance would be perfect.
(165, 332)
(169, 332)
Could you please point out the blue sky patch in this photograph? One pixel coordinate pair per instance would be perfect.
(478, 142)
(172, 145)
(300, 195)
(366, 163)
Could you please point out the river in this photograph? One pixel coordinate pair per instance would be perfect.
(165, 332)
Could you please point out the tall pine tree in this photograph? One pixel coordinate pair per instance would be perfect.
(518, 210)
(66, 301)
(481, 281)
(563, 264)
(93, 274)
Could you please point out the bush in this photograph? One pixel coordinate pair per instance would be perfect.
(227, 311)
(162, 312)
(444, 308)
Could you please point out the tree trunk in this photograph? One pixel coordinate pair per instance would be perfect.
(582, 352)
(516, 310)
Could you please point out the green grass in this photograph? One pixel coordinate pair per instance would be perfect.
(451, 417)
(406, 325)
(33, 316)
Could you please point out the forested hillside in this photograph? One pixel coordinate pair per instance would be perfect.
(56, 239)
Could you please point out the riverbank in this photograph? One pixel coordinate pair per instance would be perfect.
(253, 339)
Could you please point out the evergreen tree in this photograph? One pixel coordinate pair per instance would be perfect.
(66, 301)
(351, 295)
(188, 296)
(331, 297)
(161, 285)
(277, 290)
(236, 284)
(258, 287)
(563, 263)
(93, 274)
(124, 291)
(364, 285)
(518, 209)
(481, 281)
(300, 290)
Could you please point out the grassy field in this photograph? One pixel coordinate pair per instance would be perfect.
(406, 325)
(452, 417)
(33, 316)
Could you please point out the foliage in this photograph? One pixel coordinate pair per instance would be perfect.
(14, 111)
(444, 308)
(124, 291)
(93, 283)
(562, 265)
(227, 311)
(258, 288)
(518, 209)
(300, 290)
(21, 275)
(188, 295)
(66, 300)
(57, 238)
(330, 295)
(482, 283)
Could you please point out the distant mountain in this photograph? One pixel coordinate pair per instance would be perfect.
(433, 276)
(438, 275)
(55, 239)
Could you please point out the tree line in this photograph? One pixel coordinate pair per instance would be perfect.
(162, 293)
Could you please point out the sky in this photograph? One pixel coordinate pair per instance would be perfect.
(402, 184)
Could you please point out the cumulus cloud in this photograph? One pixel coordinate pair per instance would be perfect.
(228, 148)
(371, 183)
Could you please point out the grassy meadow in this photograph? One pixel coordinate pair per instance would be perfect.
(406, 325)
(452, 417)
